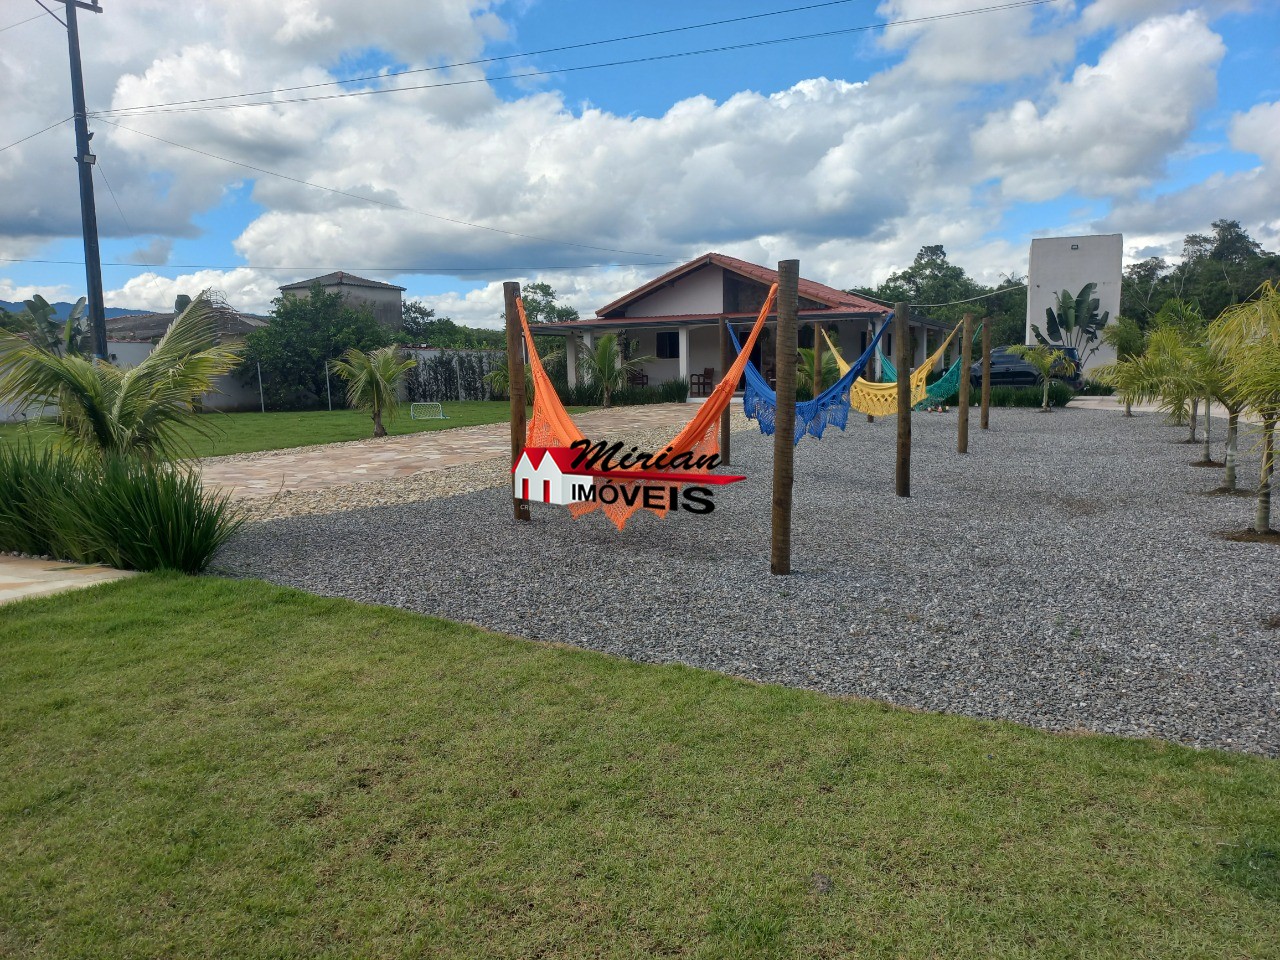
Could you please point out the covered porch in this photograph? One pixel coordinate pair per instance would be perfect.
(688, 347)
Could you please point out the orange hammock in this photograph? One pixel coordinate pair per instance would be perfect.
(551, 425)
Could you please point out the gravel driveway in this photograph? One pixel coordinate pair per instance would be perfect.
(1065, 574)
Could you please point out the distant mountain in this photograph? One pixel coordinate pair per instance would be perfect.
(64, 309)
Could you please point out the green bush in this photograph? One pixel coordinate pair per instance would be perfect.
(1059, 394)
(122, 511)
(588, 395)
(1095, 388)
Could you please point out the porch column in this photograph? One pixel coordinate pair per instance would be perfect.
(571, 359)
(872, 329)
(922, 345)
(683, 350)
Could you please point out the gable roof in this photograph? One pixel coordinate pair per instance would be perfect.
(343, 279)
(231, 323)
(809, 289)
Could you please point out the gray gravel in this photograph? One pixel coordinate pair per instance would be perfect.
(1065, 574)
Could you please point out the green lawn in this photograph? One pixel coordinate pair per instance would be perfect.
(209, 768)
(250, 432)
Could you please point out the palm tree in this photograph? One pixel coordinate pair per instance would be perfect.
(1050, 365)
(604, 366)
(104, 408)
(1249, 333)
(373, 381)
(1128, 341)
(804, 370)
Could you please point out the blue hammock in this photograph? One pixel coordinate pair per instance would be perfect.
(760, 402)
(942, 388)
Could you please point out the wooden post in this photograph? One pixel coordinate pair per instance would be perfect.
(817, 358)
(515, 378)
(902, 360)
(726, 361)
(784, 431)
(966, 361)
(879, 373)
(986, 374)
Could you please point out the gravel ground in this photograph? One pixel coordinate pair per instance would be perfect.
(1065, 574)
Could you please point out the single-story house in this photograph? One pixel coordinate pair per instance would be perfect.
(675, 319)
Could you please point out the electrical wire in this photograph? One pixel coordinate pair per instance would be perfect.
(119, 210)
(50, 12)
(981, 296)
(32, 136)
(387, 203)
(20, 23)
(419, 268)
(496, 59)
(590, 66)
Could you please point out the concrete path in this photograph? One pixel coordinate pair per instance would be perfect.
(1218, 412)
(338, 464)
(21, 578)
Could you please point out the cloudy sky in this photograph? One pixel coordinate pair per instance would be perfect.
(848, 150)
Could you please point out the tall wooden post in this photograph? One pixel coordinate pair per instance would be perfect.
(726, 361)
(515, 378)
(966, 362)
(879, 373)
(784, 432)
(986, 373)
(902, 360)
(817, 358)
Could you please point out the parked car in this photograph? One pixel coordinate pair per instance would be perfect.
(1010, 370)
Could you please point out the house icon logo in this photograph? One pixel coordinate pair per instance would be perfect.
(583, 473)
(547, 475)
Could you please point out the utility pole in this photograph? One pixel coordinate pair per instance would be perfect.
(84, 166)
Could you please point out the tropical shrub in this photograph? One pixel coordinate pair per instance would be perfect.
(373, 381)
(1075, 323)
(124, 511)
(1003, 396)
(1050, 366)
(110, 410)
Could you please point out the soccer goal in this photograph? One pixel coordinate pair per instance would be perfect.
(426, 411)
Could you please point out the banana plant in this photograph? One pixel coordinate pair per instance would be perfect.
(42, 328)
(1075, 323)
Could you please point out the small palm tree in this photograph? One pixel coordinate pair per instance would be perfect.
(1050, 365)
(804, 369)
(106, 409)
(604, 366)
(1127, 339)
(1249, 333)
(373, 381)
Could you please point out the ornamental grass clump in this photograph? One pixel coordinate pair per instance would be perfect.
(127, 512)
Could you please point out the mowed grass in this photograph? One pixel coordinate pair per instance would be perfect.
(251, 432)
(211, 768)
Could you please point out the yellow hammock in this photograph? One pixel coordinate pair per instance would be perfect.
(881, 399)
(551, 425)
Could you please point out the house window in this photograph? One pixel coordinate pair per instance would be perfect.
(668, 345)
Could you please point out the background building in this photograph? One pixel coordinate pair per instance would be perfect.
(1068, 263)
(384, 299)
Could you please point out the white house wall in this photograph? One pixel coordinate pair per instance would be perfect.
(698, 292)
(1055, 266)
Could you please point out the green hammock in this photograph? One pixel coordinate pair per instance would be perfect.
(940, 389)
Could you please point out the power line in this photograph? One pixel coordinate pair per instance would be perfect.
(981, 296)
(419, 268)
(32, 136)
(50, 12)
(120, 211)
(387, 203)
(591, 66)
(20, 23)
(496, 59)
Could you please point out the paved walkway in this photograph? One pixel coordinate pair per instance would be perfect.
(21, 578)
(338, 464)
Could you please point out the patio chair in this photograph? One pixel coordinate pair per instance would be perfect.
(700, 383)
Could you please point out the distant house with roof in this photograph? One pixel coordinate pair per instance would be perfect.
(384, 299)
(675, 318)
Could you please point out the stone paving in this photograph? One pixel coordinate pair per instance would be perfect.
(21, 577)
(308, 469)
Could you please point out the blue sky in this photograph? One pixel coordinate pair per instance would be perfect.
(1147, 117)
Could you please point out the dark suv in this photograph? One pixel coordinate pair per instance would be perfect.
(1010, 370)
